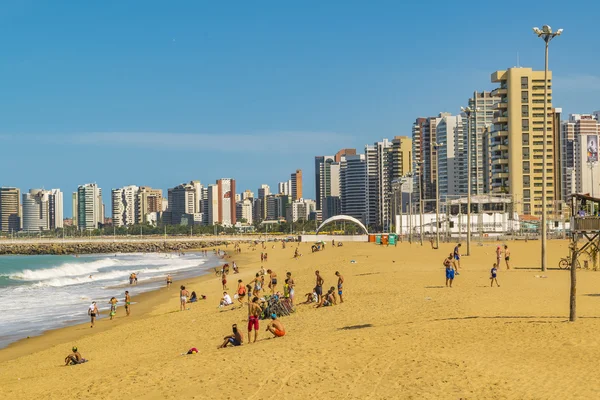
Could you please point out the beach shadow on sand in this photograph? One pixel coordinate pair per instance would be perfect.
(536, 269)
(592, 294)
(514, 317)
(368, 273)
(352, 327)
(434, 287)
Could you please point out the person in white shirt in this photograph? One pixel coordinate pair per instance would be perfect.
(93, 312)
(226, 300)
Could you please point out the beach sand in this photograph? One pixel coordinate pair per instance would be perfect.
(401, 334)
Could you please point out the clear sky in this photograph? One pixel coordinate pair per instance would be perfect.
(161, 92)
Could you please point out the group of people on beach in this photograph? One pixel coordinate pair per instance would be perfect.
(93, 311)
(452, 264)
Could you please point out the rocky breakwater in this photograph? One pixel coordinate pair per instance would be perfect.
(103, 247)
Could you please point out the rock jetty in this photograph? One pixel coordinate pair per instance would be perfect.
(102, 247)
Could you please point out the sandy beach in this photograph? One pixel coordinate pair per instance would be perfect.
(400, 334)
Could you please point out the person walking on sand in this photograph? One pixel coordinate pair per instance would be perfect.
(93, 312)
(275, 326)
(272, 281)
(498, 255)
(169, 281)
(254, 313)
(224, 279)
(507, 256)
(457, 256)
(241, 291)
(257, 285)
(183, 295)
(319, 285)
(113, 307)
(494, 276)
(340, 285)
(127, 303)
(235, 340)
(449, 270)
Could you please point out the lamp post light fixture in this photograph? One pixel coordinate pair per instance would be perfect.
(547, 35)
(469, 111)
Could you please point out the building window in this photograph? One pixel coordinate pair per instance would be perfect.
(525, 96)
(526, 181)
(527, 209)
(526, 194)
(525, 110)
(525, 124)
(524, 83)
(525, 167)
(525, 153)
(526, 139)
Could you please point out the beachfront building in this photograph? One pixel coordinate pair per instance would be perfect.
(586, 171)
(90, 210)
(247, 194)
(449, 133)
(517, 138)
(353, 184)
(277, 206)
(378, 184)
(244, 211)
(56, 213)
(296, 185)
(123, 205)
(74, 208)
(10, 209)
(417, 155)
(182, 201)
(285, 188)
(148, 202)
(36, 210)
(226, 201)
(212, 205)
(324, 181)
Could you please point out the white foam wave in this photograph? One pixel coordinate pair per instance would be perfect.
(64, 270)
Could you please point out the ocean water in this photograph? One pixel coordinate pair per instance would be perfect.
(38, 293)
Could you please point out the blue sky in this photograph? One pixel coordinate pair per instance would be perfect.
(157, 93)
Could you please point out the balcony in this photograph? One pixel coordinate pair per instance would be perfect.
(499, 92)
(499, 175)
(500, 106)
(499, 134)
(500, 161)
(500, 120)
(585, 224)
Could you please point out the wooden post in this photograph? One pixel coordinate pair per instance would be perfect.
(573, 301)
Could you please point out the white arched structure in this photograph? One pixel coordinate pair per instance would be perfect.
(343, 218)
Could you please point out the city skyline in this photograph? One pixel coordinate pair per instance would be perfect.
(256, 89)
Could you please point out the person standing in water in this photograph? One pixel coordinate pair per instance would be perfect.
(93, 312)
(127, 303)
(169, 281)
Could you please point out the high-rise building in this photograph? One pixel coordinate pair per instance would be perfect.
(584, 158)
(449, 133)
(428, 165)
(90, 212)
(353, 183)
(226, 204)
(258, 210)
(517, 139)
(205, 207)
(296, 185)
(36, 210)
(74, 208)
(401, 157)
(378, 165)
(56, 209)
(247, 194)
(484, 104)
(277, 206)
(124, 208)
(10, 209)
(213, 204)
(148, 201)
(182, 202)
(323, 179)
(285, 188)
(263, 191)
(244, 210)
(197, 196)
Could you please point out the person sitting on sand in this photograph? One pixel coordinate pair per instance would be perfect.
(275, 326)
(74, 358)
(328, 299)
(226, 300)
(235, 340)
(193, 298)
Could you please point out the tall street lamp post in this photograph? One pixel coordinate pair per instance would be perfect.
(468, 111)
(436, 146)
(547, 35)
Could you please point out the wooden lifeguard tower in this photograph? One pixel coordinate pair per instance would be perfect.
(585, 224)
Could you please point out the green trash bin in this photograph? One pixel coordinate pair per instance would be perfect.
(378, 239)
(392, 239)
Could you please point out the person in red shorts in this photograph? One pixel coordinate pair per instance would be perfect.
(275, 326)
(255, 312)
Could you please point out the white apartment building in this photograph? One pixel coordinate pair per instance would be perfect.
(263, 191)
(285, 188)
(90, 210)
(124, 205)
(449, 133)
(213, 204)
(36, 210)
(244, 210)
(56, 209)
(585, 154)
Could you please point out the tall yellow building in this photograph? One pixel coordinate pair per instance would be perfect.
(517, 138)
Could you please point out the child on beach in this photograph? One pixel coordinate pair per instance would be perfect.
(493, 275)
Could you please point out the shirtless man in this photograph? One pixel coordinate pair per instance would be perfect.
(449, 265)
(169, 281)
(275, 326)
(498, 255)
(506, 257)
(93, 312)
(241, 291)
(319, 286)
(340, 285)
(272, 281)
(235, 340)
(255, 312)
(457, 257)
(127, 303)
(74, 358)
(328, 299)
